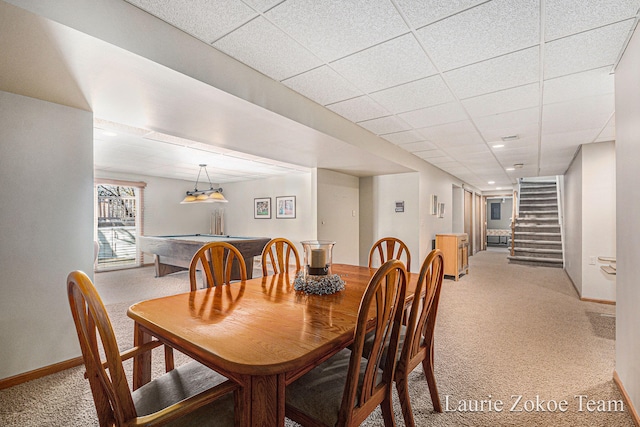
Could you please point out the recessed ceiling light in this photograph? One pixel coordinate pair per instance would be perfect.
(511, 169)
(491, 182)
(498, 188)
(518, 165)
(498, 146)
(109, 133)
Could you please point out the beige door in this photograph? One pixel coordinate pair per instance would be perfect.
(468, 216)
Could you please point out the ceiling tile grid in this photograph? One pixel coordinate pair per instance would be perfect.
(262, 46)
(388, 64)
(414, 95)
(565, 17)
(203, 19)
(323, 85)
(443, 80)
(336, 28)
(489, 30)
(359, 109)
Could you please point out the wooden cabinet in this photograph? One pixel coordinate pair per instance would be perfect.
(455, 249)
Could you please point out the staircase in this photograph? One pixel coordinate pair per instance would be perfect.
(538, 238)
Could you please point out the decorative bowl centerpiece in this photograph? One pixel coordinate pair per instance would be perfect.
(316, 276)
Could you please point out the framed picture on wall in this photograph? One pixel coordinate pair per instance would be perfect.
(434, 204)
(286, 207)
(440, 210)
(262, 208)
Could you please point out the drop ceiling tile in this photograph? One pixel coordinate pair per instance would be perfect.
(517, 98)
(499, 123)
(468, 152)
(489, 30)
(447, 130)
(418, 146)
(358, 109)
(452, 134)
(262, 5)
(385, 125)
(323, 85)
(421, 12)
(493, 132)
(430, 154)
(265, 48)
(437, 115)
(565, 17)
(203, 19)
(586, 113)
(579, 85)
(504, 72)
(336, 28)
(403, 137)
(394, 62)
(414, 95)
(570, 139)
(585, 51)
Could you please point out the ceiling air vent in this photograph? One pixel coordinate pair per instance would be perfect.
(509, 138)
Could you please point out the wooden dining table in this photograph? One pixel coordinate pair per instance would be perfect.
(261, 333)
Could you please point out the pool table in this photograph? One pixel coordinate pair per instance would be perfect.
(174, 253)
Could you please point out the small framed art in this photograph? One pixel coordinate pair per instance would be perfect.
(262, 208)
(286, 207)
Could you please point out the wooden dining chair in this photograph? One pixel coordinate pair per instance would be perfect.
(279, 253)
(346, 388)
(417, 345)
(217, 261)
(389, 248)
(190, 395)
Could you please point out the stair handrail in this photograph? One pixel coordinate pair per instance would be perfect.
(514, 215)
(560, 201)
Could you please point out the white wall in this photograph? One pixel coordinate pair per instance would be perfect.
(239, 219)
(379, 196)
(598, 219)
(573, 222)
(590, 216)
(627, 225)
(46, 228)
(338, 214)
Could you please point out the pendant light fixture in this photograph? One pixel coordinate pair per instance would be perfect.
(212, 195)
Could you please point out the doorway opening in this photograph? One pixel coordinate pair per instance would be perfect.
(117, 225)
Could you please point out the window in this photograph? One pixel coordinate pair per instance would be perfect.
(118, 224)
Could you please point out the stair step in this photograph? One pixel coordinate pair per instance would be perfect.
(552, 262)
(530, 225)
(537, 235)
(536, 198)
(538, 250)
(538, 218)
(538, 191)
(548, 212)
(537, 242)
(538, 205)
(541, 182)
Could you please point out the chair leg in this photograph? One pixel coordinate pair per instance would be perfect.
(168, 358)
(402, 386)
(387, 411)
(427, 366)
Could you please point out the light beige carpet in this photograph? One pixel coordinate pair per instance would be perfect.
(503, 331)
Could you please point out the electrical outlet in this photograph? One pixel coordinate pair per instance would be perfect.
(592, 260)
